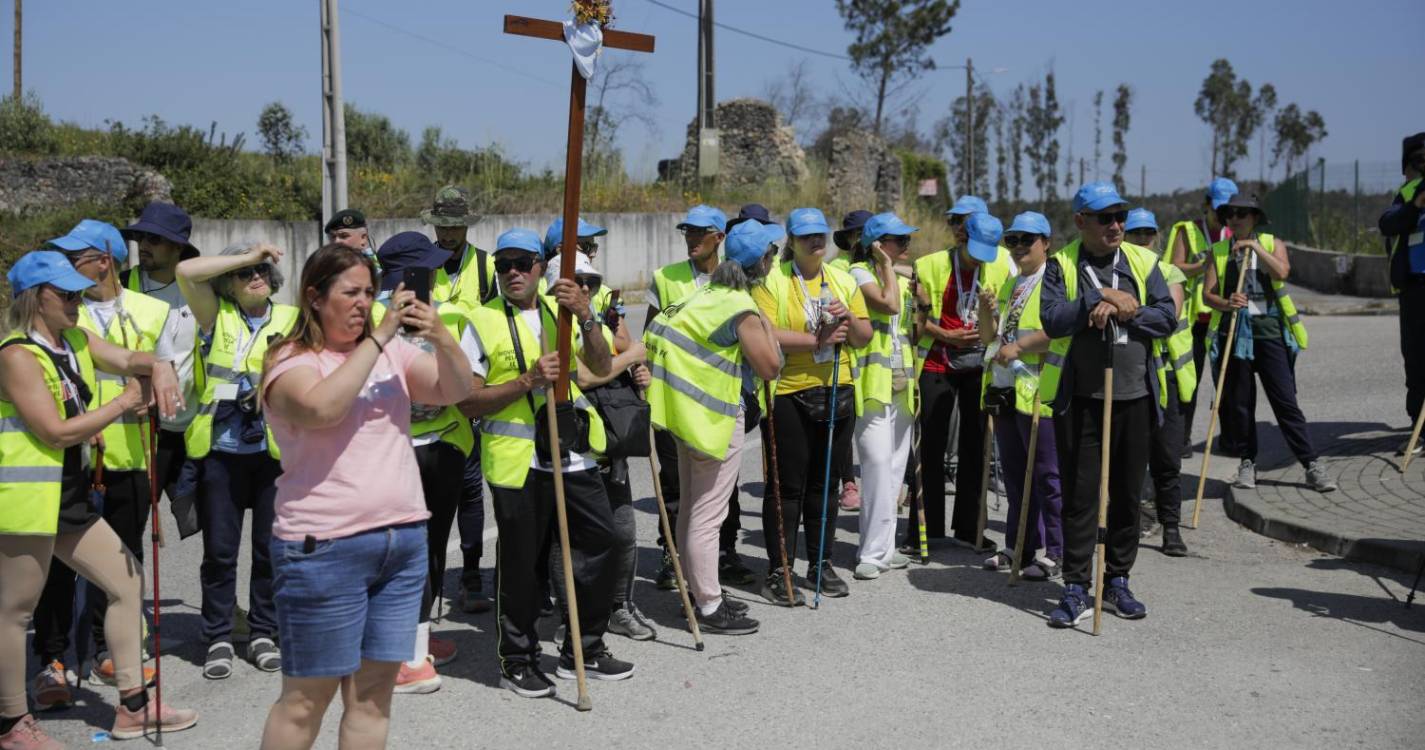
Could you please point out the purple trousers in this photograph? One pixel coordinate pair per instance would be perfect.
(1046, 502)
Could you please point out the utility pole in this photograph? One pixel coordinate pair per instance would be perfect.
(1142, 182)
(19, 80)
(333, 116)
(707, 100)
(1081, 171)
(969, 126)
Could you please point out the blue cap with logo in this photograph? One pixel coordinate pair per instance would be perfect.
(984, 232)
(1141, 218)
(881, 225)
(1220, 190)
(45, 267)
(555, 234)
(704, 217)
(804, 221)
(92, 234)
(1030, 222)
(968, 204)
(1096, 196)
(747, 242)
(520, 238)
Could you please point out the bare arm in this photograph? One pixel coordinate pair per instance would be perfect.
(1277, 264)
(884, 297)
(759, 345)
(195, 277)
(1180, 259)
(23, 384)
(115, 359)
(485, 400)
(635, 354)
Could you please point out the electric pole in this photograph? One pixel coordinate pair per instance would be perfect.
(969, 127)
(1142, 181)
(707, 100)
(19, 80)
(333, 116)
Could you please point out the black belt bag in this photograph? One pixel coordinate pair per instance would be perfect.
(999, 401)
(813, 402)
(626, 419)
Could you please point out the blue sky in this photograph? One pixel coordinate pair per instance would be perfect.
(197, 61)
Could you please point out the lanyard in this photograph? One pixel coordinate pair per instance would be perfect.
(1018, 299)
(75, 390)
(965, 302)
(811, 306)
(244, 346)
(1093, 276)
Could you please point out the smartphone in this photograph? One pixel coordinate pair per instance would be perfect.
(417, 280)
(611, 313)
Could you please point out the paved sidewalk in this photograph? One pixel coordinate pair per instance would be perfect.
(1310, 302)
(1377, 516)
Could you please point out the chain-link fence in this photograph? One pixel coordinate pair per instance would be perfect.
(1334, 206)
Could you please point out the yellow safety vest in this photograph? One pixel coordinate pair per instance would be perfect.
(136, 327)
(466, 289)
(1289, 314)
(874, 361)
(507, 436)
(779, 283)
(1197, 248)
(674, 283)
(219, 368)
(449, 425)
(1179, 346)
(696, 391)
(935, 273)
(1026, 384)
(31, 472)
(1141, 262)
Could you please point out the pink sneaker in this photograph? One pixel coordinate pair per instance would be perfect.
(131, 725)
(850, 497)
(27, 735)
(442, 651)
(420, 680)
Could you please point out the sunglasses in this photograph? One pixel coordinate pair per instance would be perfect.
(1235, 212)
(522, 264)
(1011, 241)
(1143, 233)
(67, 296)
(1107, 218)
(589, 282)
(956, 220)
(246, 274)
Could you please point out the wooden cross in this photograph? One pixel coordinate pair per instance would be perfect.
(573, 162)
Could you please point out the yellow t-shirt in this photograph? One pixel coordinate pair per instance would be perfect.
(802, 371)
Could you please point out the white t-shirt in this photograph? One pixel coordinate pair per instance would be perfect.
(104, 311)
(475, 352)
(181, 330)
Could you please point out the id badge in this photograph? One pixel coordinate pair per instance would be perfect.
(823, 355)
(1415, 248)
(1121, 337)
(225, 392)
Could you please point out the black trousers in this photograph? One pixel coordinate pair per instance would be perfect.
(125, 507)
(801, 470)
(471, 515)
(667, 447)
(1165, 459)
(1274, 365)
(527, 522)
(442, 466)
(233, 484)
(1199, 357)
(1412, 344)
(942, 394)
(1079, 434)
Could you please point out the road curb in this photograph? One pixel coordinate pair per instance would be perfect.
(1244, 507)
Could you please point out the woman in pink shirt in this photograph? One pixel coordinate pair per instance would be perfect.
(349, 543)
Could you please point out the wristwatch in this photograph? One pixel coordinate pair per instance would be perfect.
(589, 324)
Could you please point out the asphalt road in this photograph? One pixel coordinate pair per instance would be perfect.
(1248, 641)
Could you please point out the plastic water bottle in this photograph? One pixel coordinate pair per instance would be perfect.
(824, 303)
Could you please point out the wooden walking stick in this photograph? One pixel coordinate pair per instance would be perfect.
(918, 486)
(156, 542)
(776, 482)
(673, 546)
(1103, 479)
(1226, 355)
(1414, 439)
(985, 483)
(1025, 495)
(572, 599)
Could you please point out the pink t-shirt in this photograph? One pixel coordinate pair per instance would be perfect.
(360, 474)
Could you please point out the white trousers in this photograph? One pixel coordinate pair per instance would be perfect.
(883, 434)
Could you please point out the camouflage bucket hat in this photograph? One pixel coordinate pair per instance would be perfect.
(451, 208)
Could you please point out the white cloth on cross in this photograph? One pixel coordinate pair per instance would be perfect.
(584, 40)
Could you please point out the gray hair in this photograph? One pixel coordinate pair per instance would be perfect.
(223, 285)
(733, 275)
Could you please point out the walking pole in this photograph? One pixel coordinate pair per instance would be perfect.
(584, 704)
(1024, 499)
(777, 496)
(156, 542)
(672, 546)
(1414, 439)
(983, 518)
(1103, 477)
(826, 481)
(1226, 355)
(918, 488)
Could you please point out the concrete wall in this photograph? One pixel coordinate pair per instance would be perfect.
(1340, 273)
(635, 246)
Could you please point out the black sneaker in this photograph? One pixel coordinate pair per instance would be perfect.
(725, 621)
(526, 680)
(734, 604)
(472, 596)
(600, 666)
(774, 590)
(1173, 545)
(546, 604)
(731, 571)
(667, 579)
(831, 583)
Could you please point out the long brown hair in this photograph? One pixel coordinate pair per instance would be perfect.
(318, 273)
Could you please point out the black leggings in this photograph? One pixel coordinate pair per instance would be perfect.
(442, 468)
(801, 469)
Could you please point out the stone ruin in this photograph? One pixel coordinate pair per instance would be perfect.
(754, 146)
(864, 173)
(28, 185)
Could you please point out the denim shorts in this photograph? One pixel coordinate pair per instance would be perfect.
(353, 598)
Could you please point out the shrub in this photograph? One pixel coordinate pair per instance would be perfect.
(24, 126)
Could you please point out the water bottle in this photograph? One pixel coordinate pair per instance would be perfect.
(824, 303)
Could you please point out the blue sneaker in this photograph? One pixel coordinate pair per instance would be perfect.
(1119, 599)
(1072, 609)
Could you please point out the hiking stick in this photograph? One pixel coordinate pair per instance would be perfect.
(1024, 498)
(672, 546)
(1414, 439)
(984, 515)
(1098, 550)
(918, 487)
(156, 542)
(826, 481)
(584, 704)
(1226, 355)
(776, 481)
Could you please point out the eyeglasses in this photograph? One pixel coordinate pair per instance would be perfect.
(1235, 212)
(1107, 218)
(1143, 233)
(589, 282)
(66, 295)
(1011, 241)
(521, 264)
(246, 274)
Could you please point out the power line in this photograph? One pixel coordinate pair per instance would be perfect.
(450, 48)
(735, 30)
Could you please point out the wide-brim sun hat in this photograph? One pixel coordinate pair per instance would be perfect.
(750, 212)
(408, 250)
(852, 222)
(451, 208)
(167, 221)
(1242, 200)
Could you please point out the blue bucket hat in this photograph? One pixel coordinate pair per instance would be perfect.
(968, 204)
(747, 242)
(750, 212)
(1096, 196)
(704, 217)
(167, 221)
(555, 234)
(45, 267)
(408, 250)
(91, 234)
(1030, 222)
(985, 232)
(520, 238)
(852, 222)
(1220, 190)
(804, 221)
(880, 225)
(1141, 218)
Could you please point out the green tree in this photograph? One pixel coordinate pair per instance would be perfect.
(1053, 119)
(1216, 105)
(1097, 131)
(281, 136)
(1295, 134)
(372, 140)
(950, 132)
(1122, 100)
(892, 38)
(1016, 141)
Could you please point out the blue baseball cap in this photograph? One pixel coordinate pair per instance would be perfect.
(880, 225)
(555, 234)
(1096, 196)
(1220, 190)
(1141, 218)
(45, 267)
(520, 238)
(705, 217)
(804, 221)
(97, 235)
(747, 242)
(984, 232)
(1030, 222)
(968, 204)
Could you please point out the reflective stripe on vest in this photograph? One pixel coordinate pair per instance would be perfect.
(1289, 315)
(875, 361)
(674, 283)
(219, 368)
(136, 325)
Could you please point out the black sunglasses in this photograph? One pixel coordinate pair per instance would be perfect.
(65, 295)
(1108, 217)
(1143, 232)
(1235, 212)
(522, 264)
(956, 220)
(246, 274)
(1011, 241)
(589, 282)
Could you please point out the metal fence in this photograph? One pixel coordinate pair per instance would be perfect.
(1334, 206)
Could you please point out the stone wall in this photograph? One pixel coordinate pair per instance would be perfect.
(1331, 272)
(44, 184)
(754, 146)
(864, 173)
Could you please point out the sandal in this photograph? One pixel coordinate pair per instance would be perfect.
(999, 561)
